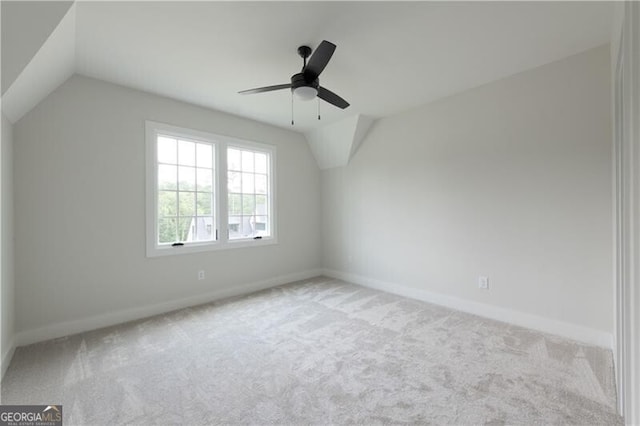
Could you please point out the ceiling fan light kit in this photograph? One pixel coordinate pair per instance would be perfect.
(302, 88)
(305, 85)
(305, 93)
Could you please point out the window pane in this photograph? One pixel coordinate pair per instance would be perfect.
(167, 177)
(261, 162)
(186, 153)
(233, 159)
(235, 204)
(204, 179)
(205, 229)
(261, 205)
(187, 178)
(235, 227)
(247, 161)
(203, 204)
(248, 204)
(186, 229)
(204, 157)
(234, 182)
(261, 184)
(261, 226)
(167, 150)
(247, 183)
(167, 228)
(247, 226)
(167, 204)
(187, 201)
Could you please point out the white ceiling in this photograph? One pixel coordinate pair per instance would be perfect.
(391, 56)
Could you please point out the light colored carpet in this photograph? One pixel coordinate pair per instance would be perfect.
(316, 352)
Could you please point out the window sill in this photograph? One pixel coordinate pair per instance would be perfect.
(206, 247)
(250, 242)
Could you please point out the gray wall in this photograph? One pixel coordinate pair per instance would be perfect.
(80, 191)
(510, 180)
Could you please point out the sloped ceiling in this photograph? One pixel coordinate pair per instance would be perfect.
(335, 144)
(51, 66)
(391, 56)
(26, 25)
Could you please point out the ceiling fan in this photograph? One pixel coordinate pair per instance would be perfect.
(305, 84)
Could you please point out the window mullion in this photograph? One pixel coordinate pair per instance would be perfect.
(222, 193)
(176, 229)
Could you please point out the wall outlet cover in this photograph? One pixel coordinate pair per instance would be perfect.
(483, 282)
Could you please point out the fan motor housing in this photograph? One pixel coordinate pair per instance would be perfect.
(298, 80)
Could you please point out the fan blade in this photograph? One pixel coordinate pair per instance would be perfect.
(332, 98)
(266, 89)
(318, 60)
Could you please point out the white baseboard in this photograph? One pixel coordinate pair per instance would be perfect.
(67, 328)
(6, 358)
(560, 328)
(547, 325)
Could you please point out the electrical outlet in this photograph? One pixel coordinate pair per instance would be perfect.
(201, 275)
(483, 283)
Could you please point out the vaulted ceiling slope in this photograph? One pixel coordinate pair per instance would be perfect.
(51, 66)
(25, 27)
(391, 56)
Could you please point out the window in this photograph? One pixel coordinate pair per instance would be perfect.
(188, 208)
(249, 210)
(185, 189)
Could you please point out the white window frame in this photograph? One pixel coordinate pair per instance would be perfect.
(221, 213)
(271, 152)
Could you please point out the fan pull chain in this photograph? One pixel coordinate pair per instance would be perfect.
(292, 108)
(318, 99)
